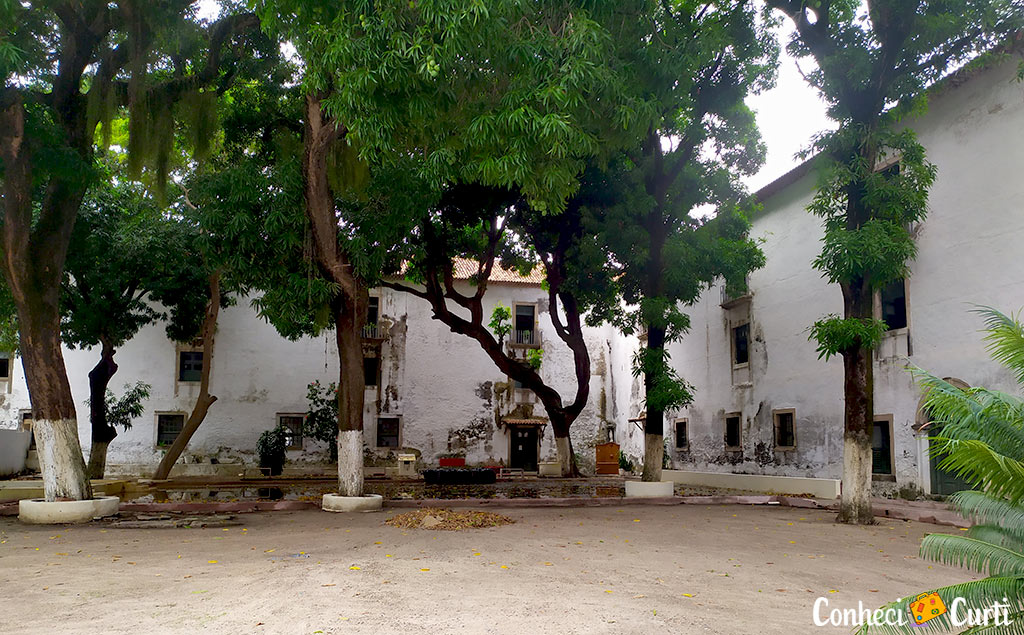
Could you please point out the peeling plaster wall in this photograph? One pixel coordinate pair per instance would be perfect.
(968, 254)
(446, 392)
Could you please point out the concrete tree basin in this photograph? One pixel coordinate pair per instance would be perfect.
(339, 503)
(38, 511)
(648, 489)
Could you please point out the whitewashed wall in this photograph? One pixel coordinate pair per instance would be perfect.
(969, 253)
(447, 393)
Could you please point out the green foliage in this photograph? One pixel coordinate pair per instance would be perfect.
(322, 417)
(9, 339)
(126, 253)
(625, 463)
(534, 358)
(981, 434)
(836, 335)
(271, 449)
(666, 390)
(501, 322)
(121, 411)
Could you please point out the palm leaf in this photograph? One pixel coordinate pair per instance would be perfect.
(980, 465)
(999, 536)
(983, 508)
(1005, 339)
(977, 594)
(973, 554)
(1012, 625)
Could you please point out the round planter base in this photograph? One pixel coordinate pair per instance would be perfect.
(37, 511)
(648, 489)
(339, 503)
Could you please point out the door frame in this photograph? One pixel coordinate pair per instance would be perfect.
(512, 430)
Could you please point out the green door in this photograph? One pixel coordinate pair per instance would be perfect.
(944, 482)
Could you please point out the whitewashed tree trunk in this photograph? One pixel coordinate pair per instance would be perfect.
(60, 457)
(654, 450)
(350, 462)
(563, 448)
(855, 505)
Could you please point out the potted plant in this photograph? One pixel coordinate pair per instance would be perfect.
(271, 450)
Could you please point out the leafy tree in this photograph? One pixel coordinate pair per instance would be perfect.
(122, 411)
(67, 67)
(873, 69)
(321, 422)
(670, 211)
(982, 438)
(451, 88)
(125, 254)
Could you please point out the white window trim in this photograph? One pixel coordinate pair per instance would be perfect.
(892, 447)
(536, 325)
(195, 347)
(732, 344)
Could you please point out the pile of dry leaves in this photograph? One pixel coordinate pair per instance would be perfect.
(447, 519)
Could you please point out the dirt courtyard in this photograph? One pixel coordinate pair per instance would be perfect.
(635, 569)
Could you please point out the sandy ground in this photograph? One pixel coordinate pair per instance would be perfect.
(680, 569)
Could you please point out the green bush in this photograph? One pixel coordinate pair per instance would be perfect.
(271, 449)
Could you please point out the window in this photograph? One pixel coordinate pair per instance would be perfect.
(168, 426)
(785, 429)
(26, 424)
(373, 310)
(371, 370)
(525, 324)
(740, 344)
(190, 365)
(292, 425)
(387, 432)
(732, 432)
(881, 446)
(5, 366)
(372, 328)
(682, 440)
(894, 304)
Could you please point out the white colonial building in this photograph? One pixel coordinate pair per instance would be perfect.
(765, 403)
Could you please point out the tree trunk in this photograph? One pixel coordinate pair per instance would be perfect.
(33, 263)
(654, 423)
(55, 424)
(350, 303)
(205, 400)
(350, 401)
(563, 447)
(102, 431)
(858, 393)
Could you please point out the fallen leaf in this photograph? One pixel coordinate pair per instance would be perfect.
(212, 561)
(687, 595)
(424, 569)
(354, 568)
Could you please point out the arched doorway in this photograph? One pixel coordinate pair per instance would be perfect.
(943, 482)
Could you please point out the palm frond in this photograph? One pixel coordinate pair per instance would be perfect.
(984, 508)
(977, 594)
(976, 555)
(1000, 536)
(980, 465)
(1005, 339)
(1012, 625)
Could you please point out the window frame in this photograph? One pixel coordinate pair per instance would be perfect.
(739, 431)
(686, 433)
(398, 432)
(195, 347)
(377, 375)
(535, 343)
(156, 426)
(775, 428)
(891, 475)
(10, 366)
(302, 438)
(732, 344)
(877, 307)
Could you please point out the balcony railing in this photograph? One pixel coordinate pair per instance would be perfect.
(373, 332)
(525, 338)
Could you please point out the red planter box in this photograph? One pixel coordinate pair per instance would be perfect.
(452, 462)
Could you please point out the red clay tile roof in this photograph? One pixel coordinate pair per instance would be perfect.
(466, 268)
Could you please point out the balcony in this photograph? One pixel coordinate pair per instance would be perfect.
(525, 338)
(732, 298)
(373, 332)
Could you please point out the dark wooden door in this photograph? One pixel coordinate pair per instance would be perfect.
(523, 454)
(944, 482)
